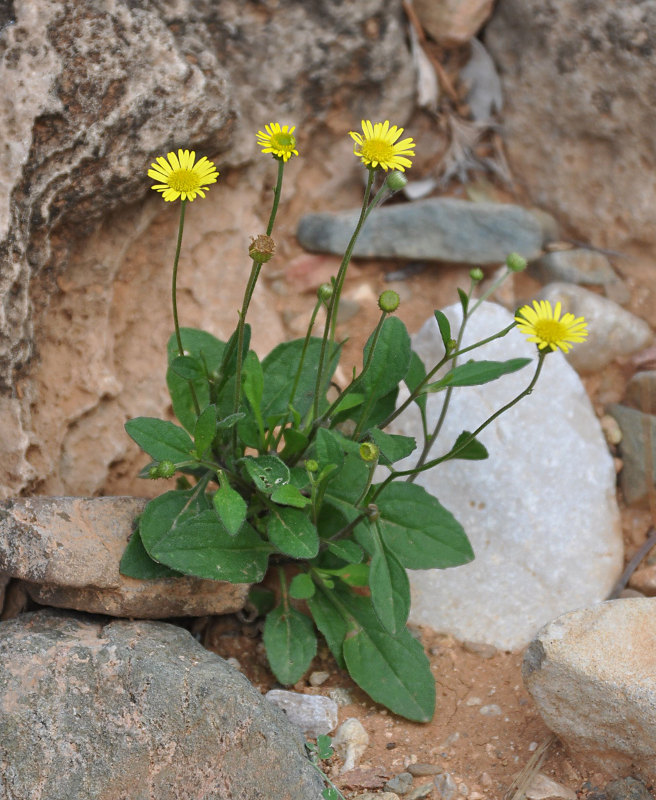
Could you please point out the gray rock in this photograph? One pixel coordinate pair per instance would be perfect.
(637, 429)
(438, 229)
(577, 130)
(627, 789)
(612, 331)
(574, 266)
(445, 786)
(541, 512)
(591, 674)
(313, 714)
(423, 790)
(542, 787)
(480, 77)
(139, 710)
(68, 550)
(641, 391)
(401, 783)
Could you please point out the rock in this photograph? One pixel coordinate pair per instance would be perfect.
(591, 675)
(140, 710)
(401, 783)
(627, 789)
(542, 787)
(420, 770)
(445, 786)
(643, 581)
(480, 649)
(313, 714)
(612, 331)
(573, 266)
(86, 246)
(641, 391)
(423, 790)
(453, 22)
(351, 742)
(574, 124)
(318, 678)
(484, 93)
(637, 429)
(438, 229)
(68, 550)
(376, 796)
(549, 474)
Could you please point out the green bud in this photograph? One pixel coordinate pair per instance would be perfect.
(311, 465)
(369, 452)
(451, 346)
(372, 512)
(325, 292)
(516, 263)
(153, 472)
(389, 301)
(396, 181)
(166, 469)
(476, 274)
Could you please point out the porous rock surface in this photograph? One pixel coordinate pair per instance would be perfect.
(579, 116)
(592, 675)
(540, 512)
(67, 550)
(139, 710)
(91, 93)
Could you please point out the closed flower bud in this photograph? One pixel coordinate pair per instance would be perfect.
(262, 248)
(388, 301)
(516, 263)
(372, 512)
(311, 465)
(166, 469)
(368, 451)
(476, 274)
(396, 181)
(325, 292)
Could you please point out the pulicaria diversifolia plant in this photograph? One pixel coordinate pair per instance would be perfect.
(276, 472)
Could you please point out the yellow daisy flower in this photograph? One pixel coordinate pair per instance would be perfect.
(178, 176)
(544, 326)
(280, 142)
(379, 146)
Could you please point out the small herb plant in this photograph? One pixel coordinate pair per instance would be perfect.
(322, 751)
(278, 469)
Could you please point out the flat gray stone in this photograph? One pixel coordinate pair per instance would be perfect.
(136, 710)
(438, 229)
(635, 427)
(574, 266)
(68, 551)
(591, 674)
(541, 512)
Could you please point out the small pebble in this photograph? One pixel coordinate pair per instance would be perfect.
(421, 770)
(532, 747)
(342, 697)
(611, 429)
(463, 790)
(446, 786)
(473, 701)
(420, 791)
(314, 715)
(234, 663)
(319, 677)
(400, 783)
(376, 796)
(350, 742)
(491, 710)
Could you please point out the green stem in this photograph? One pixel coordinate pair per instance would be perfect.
(276, 197)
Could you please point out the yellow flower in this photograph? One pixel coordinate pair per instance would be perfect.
(178, 176)
(379, 146)
(280, 142)
(544, 326)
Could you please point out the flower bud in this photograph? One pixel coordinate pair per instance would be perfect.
(262, 248)
(369, 452)
(166, 469)
(451, 346)
(325, 292)
(388, 301)
(476, 274)
(396, 181)
(311, 465)
(515, 262)
(372, 512)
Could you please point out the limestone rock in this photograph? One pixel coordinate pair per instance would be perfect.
(542, 787)
(591, 674)
(541, 512)
(139, 710)
(314, 714)
(612, 331)
(637, 430)
(438, 229)
(68, 550)
(575, 121)
(453, 21)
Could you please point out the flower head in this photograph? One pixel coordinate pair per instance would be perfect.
(544, 326)
(178, 176)
(378, 146)
(280, 142)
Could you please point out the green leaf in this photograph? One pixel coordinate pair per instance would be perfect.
(162, 440)
(228, 422)
(253, 380)
(476, 373)
(420, 532)
(262, 600)
(267, 472)
(347, 550)
(165, 513)
(231, 508)
(351, 574)
(302, 586)
(288, 495)
(464, 300)
(328, 448)
(324, 747)
(201, 546)
(136, 563)
(188, 367)
(290, 642)
(473, 451)
(331, 623)
(351, 400)
(444, 326)
(205, 430)
(380, 410)
(392, 446)
(292, 532)
(390, 589)
(295, 442)
(415, 375)
(390, 361)
(347, 485)
(392, 670)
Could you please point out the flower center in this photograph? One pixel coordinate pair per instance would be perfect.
(550, 330)
(184, 180)
(377, 150)
(284, 141)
